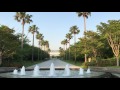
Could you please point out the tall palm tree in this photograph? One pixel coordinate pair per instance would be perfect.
(49, 52)
(39, 36)
(69, 37)
(23, 18)
(85, 15)
(47, 45)
(66, 42)
(42, 43)
(33, 29)
(63, 43)
(61, 50)
(74, 30)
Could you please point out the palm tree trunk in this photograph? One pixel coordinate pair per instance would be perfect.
(75, 46)
(44, 52)
(84, 25)
(39, 49)
(22, 37)
(69, 49)
(85, 38)
(38, 52)
(41, 53)
(66, 51)
(22, 42)
(33, 49)
(117, 60)
(0, 57)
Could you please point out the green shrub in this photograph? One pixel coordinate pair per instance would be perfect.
(101, 63)
(11, 64)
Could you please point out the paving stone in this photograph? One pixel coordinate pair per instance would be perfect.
(57, 63)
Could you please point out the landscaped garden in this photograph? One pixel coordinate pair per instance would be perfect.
(97, 49)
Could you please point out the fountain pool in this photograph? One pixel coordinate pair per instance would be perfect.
(51, 73)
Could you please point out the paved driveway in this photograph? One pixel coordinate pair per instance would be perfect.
(57, 63)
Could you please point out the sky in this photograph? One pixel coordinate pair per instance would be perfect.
(55, 25)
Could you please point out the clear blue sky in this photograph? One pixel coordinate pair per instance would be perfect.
(55, 25)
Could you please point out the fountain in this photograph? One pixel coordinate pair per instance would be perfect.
(15, 72)
(22, 72)
(36, 71)
(81, 71)
(67, 71)
(52, 70)
(88, 71)
(52, 73)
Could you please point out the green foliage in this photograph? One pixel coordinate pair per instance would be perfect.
(74, 30)
(101, 63)
(23, 17)
(111, 31)
(84, 14)
(10, 48)
(8, 42)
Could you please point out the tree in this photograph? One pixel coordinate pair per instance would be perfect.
(74, 30)
(85, 15)
(69, 37)
(66, 42)
(63, 43)
(43, 43)
(23, 18)
(33, 29)
(94, 43)
(8, 43)
(47, 45)
(61, 50)
(111, 31)
(39, 37)
(49, 52)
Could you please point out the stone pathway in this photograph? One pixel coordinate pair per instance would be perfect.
(57, 63)
(6, 69)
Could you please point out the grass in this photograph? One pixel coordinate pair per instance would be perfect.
(78, 63)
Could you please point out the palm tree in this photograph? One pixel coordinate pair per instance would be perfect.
(69, 37)
(49, 52)
(23, 18)
(39, 36)
(74, 30)
(61, 50)
(66, 42)
(42, 42)
(33, 29)
(85, 15)
(63, 43)
(47, 45)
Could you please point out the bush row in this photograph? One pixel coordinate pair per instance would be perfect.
(101, 63)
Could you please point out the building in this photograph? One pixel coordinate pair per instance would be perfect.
(54, 53)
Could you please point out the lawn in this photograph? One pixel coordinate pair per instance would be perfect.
(78, 63)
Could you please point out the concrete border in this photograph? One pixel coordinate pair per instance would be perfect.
(106, 69)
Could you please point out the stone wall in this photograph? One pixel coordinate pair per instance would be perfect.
(106, 69)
